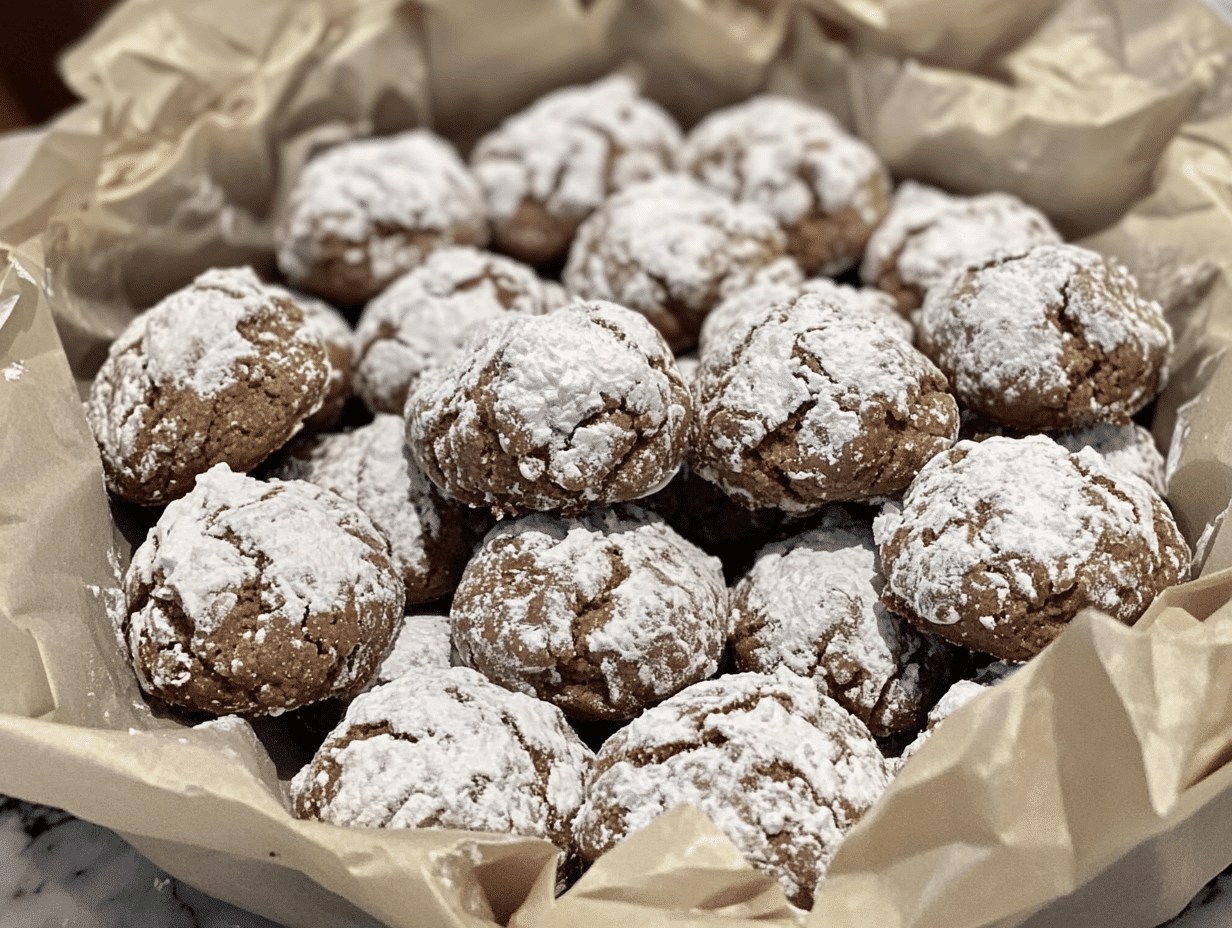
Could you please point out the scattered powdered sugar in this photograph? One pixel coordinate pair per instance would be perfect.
(1005, 509)
(447, 749)
(812, 604)
(417, 321)
(423, 642)
(573, 147)
(12, 372)
(361, 189)
(929, 233)
(785, 156)
(1128, 449)
(671, 245)
(784, 771)
(305, 551)
(579, 399)
(602, 614)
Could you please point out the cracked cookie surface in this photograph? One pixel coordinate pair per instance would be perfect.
(416, 322)
(536, 413)
(367, 210)
(550, 166)
(813, 400)
(784, 771)
(1053, 338)
(998, 544)
(254, 598)
(223, 371)
(827, 189)
(671, 248)
(602, 615)
(813, 604)
(444, 748)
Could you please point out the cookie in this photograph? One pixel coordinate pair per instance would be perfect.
(958, 695)
(447, 749)
(550, 166)
(1053, 338)
(335, 333)
(827, 189)
(556, 412)
(223, 371)
(254, 598)
(423, 643)
(813, 604)
(416, 322)
(929, 233)
(365, 211)
(997, 545)
(671, 248)
(784, 771)
(810, 401)
(429, 537)
(602, 614)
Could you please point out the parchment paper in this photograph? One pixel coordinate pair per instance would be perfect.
(1092, 788)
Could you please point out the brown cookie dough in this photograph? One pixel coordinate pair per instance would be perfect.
(784, 771)
(416, 322)
(929, 233)
(813, 604)
(447, 749)
(602, 615)
(999, 544)
(556, 412)
(550, 166)
(1053, 338)
(335, 333)
(827, 188)
(671, 248)
(811, 401)
(224, 370)
(429, 537)
(365, 211)
(254, 598)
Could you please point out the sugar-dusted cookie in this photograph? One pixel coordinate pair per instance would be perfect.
(222, 371)
(254, 598)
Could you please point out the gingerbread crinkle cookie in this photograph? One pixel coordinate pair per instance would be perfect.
(335, 333)
(827, 188)
(997, 545)
(602, 614)
(254, 598)
(1053, 338)
(416, 322)
(556, 412)
(367, 210)
(807, 402)
(671, 248)
(223, 370)
(548, 167)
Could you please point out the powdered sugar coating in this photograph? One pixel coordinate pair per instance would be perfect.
(423, 643)
(548, 167)
(223, 370)
(813, 604)
(806, 402)
(332, 328)
(998, 544)
(1056, 337)
(252, 598)
(367, 210)
(827, 188)
(552, 412)
(416, 322)
(371, 466)
(447, 749)
(784, 771)
(671, 248)
(930, 233)
(602, 615)
(957, 696)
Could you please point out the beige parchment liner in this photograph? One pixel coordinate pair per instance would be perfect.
(1090, 789)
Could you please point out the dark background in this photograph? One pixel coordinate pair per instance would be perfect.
(32, 37)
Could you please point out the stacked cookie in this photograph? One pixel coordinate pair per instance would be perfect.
(748, 575)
